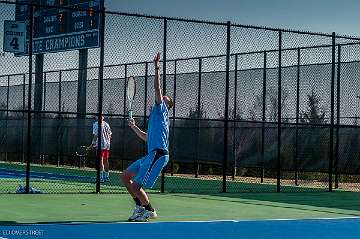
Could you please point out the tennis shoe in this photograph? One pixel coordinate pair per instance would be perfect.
(138, 211)
(146, 216)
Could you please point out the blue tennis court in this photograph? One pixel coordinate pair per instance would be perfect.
(18, 174)
(295, 229)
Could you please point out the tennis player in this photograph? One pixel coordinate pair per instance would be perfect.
(105, 147)
(144, 172)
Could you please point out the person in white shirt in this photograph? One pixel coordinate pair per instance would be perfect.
(105, 147)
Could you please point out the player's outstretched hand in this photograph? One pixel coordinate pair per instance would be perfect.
(157, 60)
(131, 122)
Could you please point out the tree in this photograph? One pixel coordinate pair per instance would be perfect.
(197, 141)
(272, 111)
(315, 114)
(356, 120)
(2, 107)
(239, 114)
(271, 107)
(313, 151)
(197, 113)
(256, 111)
(111, 110)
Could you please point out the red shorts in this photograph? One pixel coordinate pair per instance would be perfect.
(105, 153)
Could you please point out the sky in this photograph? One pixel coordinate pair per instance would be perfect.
(341, 16)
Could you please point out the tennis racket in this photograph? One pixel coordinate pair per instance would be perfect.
(82, 151)
(130, 92)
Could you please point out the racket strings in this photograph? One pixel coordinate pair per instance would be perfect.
(131, 90)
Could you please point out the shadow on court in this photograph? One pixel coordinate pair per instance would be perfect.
(325, 201)
(65, 222)
(4, 223)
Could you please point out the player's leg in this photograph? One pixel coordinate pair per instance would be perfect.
(102, 173)
(128, 175)
(106, 166)
(139, 192)
(127, 179)
(134, 189)
(147, 180)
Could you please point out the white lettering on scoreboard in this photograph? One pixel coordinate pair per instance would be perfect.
(59, 43)
(72, 42)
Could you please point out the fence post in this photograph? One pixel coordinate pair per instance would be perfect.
(124, 119)
(234, 118)
(197, 165)
(263, 118)
(226, 113)
(28, 150)
(81, 96)
(145, 100)
(44, 96)
(39, 88)
(173, 121)
(338, 99)
(297, 114)
(279, 117)
(82, 83)
(60, 119)
(23, 122)
(7, 116)
(164, 56)
(38, 103)
(100, 95)
(42, 123)
(59, 96)
(331, 151)
(164, 91)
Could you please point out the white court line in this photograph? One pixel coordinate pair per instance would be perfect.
(211, 221)
(260, 220)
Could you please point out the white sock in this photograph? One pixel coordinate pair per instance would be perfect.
(106, 174)
(102, 174)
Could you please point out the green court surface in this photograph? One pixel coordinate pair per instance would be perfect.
(52, 179)
(69, 197)
(65, 208)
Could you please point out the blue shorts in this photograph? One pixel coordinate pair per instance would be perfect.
(148, 168)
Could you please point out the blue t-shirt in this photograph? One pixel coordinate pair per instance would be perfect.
(158, 128)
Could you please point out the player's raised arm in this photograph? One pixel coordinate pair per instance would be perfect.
(141, 134)
(157, 88)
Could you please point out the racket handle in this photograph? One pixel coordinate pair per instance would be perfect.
(130, 114)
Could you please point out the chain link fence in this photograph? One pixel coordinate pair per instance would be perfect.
(256, 109)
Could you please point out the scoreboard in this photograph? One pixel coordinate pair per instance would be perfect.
(59, 29)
